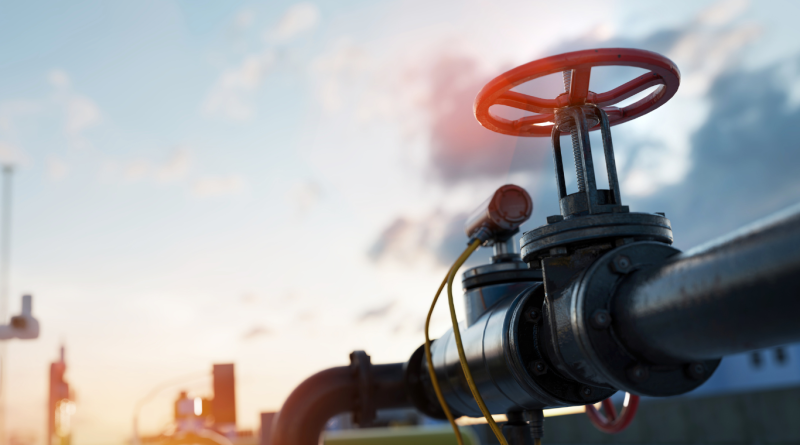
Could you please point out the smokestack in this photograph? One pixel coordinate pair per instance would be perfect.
(224, 404)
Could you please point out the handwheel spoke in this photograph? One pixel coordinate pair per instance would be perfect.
(579, 86)
(628, 89)
(527, 103)
(530, 121)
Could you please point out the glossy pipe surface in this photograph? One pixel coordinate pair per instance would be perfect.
(330, 392)
(496, 354)
(738, 293)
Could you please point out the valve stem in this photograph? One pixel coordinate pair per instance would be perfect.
(576, 146)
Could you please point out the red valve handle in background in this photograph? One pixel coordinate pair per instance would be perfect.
(611, 423)
(498, 92)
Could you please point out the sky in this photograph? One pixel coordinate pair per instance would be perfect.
(276, 184)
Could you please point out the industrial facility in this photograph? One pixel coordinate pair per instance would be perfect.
(460, 222)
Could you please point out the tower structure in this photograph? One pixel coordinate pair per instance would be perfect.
(60, 405)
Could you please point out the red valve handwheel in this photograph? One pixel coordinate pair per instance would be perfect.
(498, 92)
(612, 423)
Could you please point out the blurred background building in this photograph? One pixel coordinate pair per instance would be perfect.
(60, 405)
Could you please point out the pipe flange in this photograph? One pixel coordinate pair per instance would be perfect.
(596, 334)
(526, 337)
(505, 272)
(589, 229)
(417, 379)
(364, 412)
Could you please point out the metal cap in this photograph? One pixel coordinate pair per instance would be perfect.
(502, 214)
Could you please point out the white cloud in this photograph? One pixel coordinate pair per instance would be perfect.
(10, 154)
(344, 65)
(231, 96)
(297, 20)
(177, 170)
(58, 78)
(11, 110)
(304, 197)
(176, 167)
(215, 186)
(723, 12)
(244, 19)
(137, 170)
(704, 52)
(80, 112)
(57, 169)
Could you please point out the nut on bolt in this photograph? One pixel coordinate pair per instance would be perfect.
(601, 319)
(533, 315)
(696, 371)
(638, 373)
(621, 264)
(539, 367)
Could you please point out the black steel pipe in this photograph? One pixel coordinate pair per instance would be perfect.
(330, 392)
(738, 293)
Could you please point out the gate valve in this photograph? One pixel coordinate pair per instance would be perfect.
(592, 218)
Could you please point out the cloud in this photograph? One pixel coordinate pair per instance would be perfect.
(652, 156)
(57, 169)
(376, 313)
(176, 167)
(58, 78)
(460, 148)
(11, 110)
(231, 96)
(80, 112)
(137, 170)
(244, 19)
(10, 154)
(722, 12)
(439, 237)
(215, 186)
(304, 197)
(256, 332)
(298, 19)
(248, 298)
(401, 239)
(428, 93)
(743, 157)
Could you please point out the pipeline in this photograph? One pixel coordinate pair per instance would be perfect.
(738, 293)
(337, 390)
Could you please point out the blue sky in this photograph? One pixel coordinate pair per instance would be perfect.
(277, 184)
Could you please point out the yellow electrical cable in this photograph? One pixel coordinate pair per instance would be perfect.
(457, 334)
(432, 372)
